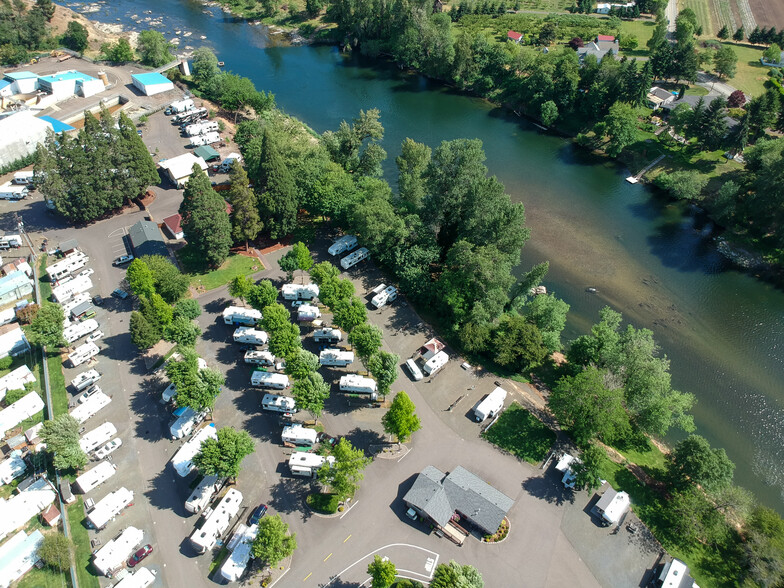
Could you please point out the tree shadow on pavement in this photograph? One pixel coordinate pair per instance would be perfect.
(335, 582)
(288, 495)
(547, 489)
(166, 492)
(364, 438)
(153, 416)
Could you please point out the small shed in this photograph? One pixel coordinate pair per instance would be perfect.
(146, 239)
(51, 516)
(150, 84)
(206, 152)
(179, 169)
(68, 247)
(173, 226)
(514, 36)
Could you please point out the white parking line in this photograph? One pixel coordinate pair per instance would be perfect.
(428, 577)
(349, 509)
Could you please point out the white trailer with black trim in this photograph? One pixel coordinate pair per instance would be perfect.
(90, 407)
(299, 435)
(435, 363)
(109, 507)
(357, 384)
(299, 291)
(112, 556)
(97, 437)
(386, 295)
(79, 330)
(250, 336)
(354, 258)
(256, 357)
(275, 403)
(491, 405)
(85, 380)
(93, 478)
(216, 521)
(182, 461)
(328, 335)
(269, 380)
(235, 315)
(342, 245)
(336, 357)
(307, 464)
(202, 494)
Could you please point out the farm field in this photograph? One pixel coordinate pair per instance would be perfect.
(546, 5)
(768, 13)
(702, 8)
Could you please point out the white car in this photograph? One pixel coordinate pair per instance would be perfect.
(92, 338)
(86, 273)
(123, 259)
(108, 448)
(87, 393)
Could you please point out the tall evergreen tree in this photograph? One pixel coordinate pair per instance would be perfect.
(205, 221)
(278, 197)
(245, 221)
(138, 168)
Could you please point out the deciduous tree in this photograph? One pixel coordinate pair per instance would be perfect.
(401, 420)
(223, 456)
(119, 52)
(182, 331)
(346, 473)
(349, 313)
(621, 127)
(273, 542)
(725, 62)
(189, 309)
(75, 37)
(140, 278)
(56, 551)
(383, 366)
(310, 392)
(154, 49)
(61, 436)
(518, 344)
(588, 470)
(412, 164)
(382, 572)
(169, 281)
(47, 326)
(301, 364)
(453, 574)
(262, 295)
(240, 287)
(143, 334)
(366, 340)
(694, 460)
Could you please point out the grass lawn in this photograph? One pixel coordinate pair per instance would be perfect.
(323, 503)
(46, 577)
(646, 455)
(751, 74)
(643, 30)
(521, 434)
(235, 265)
(57, 383)
(703, 11)
(84, 576)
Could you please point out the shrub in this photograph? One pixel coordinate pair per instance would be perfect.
(324, 503)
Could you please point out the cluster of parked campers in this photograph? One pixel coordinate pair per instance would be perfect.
(193, 122)
(19, 187)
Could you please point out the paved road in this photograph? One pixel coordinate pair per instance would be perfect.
(671, 12)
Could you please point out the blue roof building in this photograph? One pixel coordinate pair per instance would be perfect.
(21, 75)
(152, 83)
(21, 82)
(14, 286)
(68, 83)
(58, 126)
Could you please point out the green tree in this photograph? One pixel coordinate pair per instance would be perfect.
(453, 574)
(589, 408)
(274, 318)
(236, 93)
(333, 292)
(621, 127)
(518, 344)
(182, 331)
(310, 393)
(46, 8)
(739, 35)
(345, 146)
(154, 49)
(684, 184)
(143, 333)
(346, 473)
(366, 340)
(223, 456)
(199, 390)
(302, 256)
(382, 572)
(724, 33)
(694, 460)
(56, 551)
(241, 286)
(205, 70)
(273, 542)
(169, 281)
(764, 547)
(772, 54)
(349, 313)
(61, 436)
(130, 154)
(245, 221)
(189, 309)
(548, 313)
(47, 326)
(383, 366)
(548, 113)
(725, 62)
(401, 420)
(412, 164)
(262, 295)
(140, 278)
(689, 518)
(119, 52)
(588, 471)
(301, 364)
(288, 263)
(75, 37)
(323, 272)
(156, 310)
(205, 220)
(276, 188)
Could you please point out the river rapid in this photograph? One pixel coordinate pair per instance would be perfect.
(654, 261)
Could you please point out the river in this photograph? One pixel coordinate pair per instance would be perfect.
(652, 260)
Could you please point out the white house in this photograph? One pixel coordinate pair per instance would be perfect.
(16, 380)
(65, 84)
(12, 340)
(20, 410)
(150, 84)
(179, 169)
(20, 134)
(18, 555)
(19, 509)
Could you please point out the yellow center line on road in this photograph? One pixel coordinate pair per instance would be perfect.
(306, 577)
(347, 538)
(326, 558)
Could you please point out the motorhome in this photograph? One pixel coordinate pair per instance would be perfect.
(414, 370)
(93, 478)
(83, 353)
(307, 464)
(73, 287)
(182, 461)
(612, 506)
(336, 357)
(299, 291)
(240, 546)
(9, 191)
(74, 302)
(250, 336)
(97, 437)
(180, 106)
(202, 494)
(79, 330)
(188, 114)
(491, 405)
(234, 315)
(344, 244)
(205, 139)
(216, 521)
(385, 296)
(564, 466)
(269, 380)
(24, 177)
(66, 266)
(359, 385)
(354, 258)
(299, 435)
(186, 419)
(109, 507)
(308, 312)
(435, 363)
(327, 336)
(90, 407)
(275, 403)
(112, 556)
(259, 357)
(201, 128)
(85, 379)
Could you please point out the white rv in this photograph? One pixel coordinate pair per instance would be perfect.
(327, 336)
(216, 521)
(74, 302)
(250, 336)
(342, 245)
(90, 407)
(202, 494)
(112, 556)
(354, 258)
(276, 403)
(307, 464)
(79, 330)
(93, 478)
(308, 312)
(182, 461)
(206, 139)
(299, 291)
(186, 420)
(240, 546)
(68, 290)
(97, 437)
(491, 405)
(228, 161)
(299, 435)
(67, 266)
(179, 106)
(612, 506)
(564, 465)
(269, 380)
(141, 578)
(235, 315)
(201, 128)
(85, 380)
(9, 191)
(83, 353)
(336, 357)
(435, 363)
(259, 357)
(109, 507)
(24, 177)
(386, 295)
(359, 385)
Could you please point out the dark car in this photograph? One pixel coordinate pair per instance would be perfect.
(98, 300)
(326, 439)
(256, 515)
(140, 555)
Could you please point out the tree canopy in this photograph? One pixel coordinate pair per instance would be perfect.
(223, 456)
(205, 221)
(346, 473)
(153, 48)
(61, 436)
(401, 420)
(273, 542)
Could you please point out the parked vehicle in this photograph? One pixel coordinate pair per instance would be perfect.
(234, 315)
(107, 449)
(83, 353)
(67, 266)
(108, 508)
(87, 272)
(68, 289)
(299, 435)
(336, 357)
(119, 293)
(342, 245)
(82, 398)
(202, 494)
(139, 555)
(216, 521)
(98, 300)
(308, 464)
(263, 379)
(85, 379)
(354, 258)
(186, 420)
(97, 437)
(122, 260)
(225, 166)
(435, 363)
(386, 295)
(308, 312)
(250, 336)
(93, 478)
(24, 177)
(92, 338)
(359, 385)
(259, 357)
(491, 405)
(79, 330)
(9, 191)
(327, 335)
(257, 514)
(413, 369)
(179, 106)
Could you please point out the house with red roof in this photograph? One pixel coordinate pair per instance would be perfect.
(514, 36)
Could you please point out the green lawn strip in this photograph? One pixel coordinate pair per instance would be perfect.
(218, 559)
(81, 540)
(235, 265)
(702, 10)
(646, 455)
(46, 577)
(751, 74)
(57, 383)
(643, 30)
(323, 503)
(521, 434)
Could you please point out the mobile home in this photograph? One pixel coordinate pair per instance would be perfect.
(342, 245)
(90, 407)
(299, 435)
(234, 315)
(359, 385)
(93, 478)
(97, 437)
(269, 380)
(217, 521)
(276, 403)
(79, 330)
(67, 266)
(354, 258)
(202, 494)
(336, 357)
(109, 507)
(328, 336)
(112, 556)
(182, 461)
(250, 336)
(299, 291)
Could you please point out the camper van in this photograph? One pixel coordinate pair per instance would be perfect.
(308, 312)
(336, 357)
(386, 295)
(202, 494)
(259, 357)
(299, 435)
(358, 385)
(275, 403)
(85, 379)
(354, 258)
(182, 461)
(234, 315)
(23, 178)
(216, 521)
(83, 353)
(435, 363)
(109, 507)
(79, 330)
(299, 291)
(414, 370)
(9, 191)
(250, 336)
(491, 405)
(344, 244)
(269, 380)
(185, 422)
(93, 478)
(97, 437)
(307, 464)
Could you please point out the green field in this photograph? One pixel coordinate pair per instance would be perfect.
(703, 11)
(521, 434)
(545, 5)
(235, 265)
(81, 539)
(751, 74)
(643, 30)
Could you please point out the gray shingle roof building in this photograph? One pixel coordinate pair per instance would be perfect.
(439, 496)
(146, 239)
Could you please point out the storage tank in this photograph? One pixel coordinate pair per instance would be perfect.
(103, 77)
